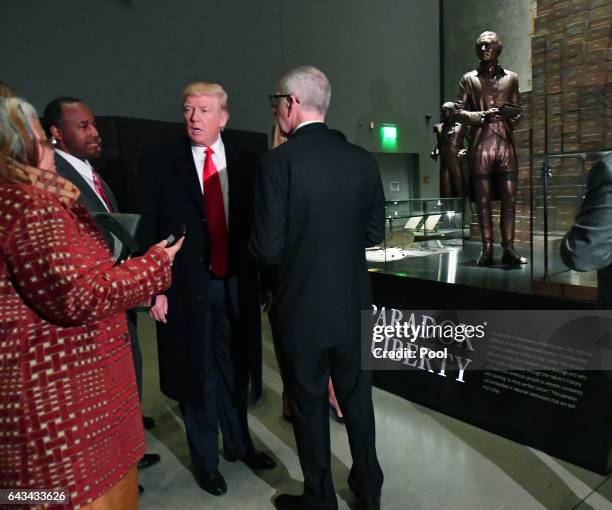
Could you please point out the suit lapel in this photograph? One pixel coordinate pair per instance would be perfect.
(234, 184)
(190, 177)
(231, 159)
(88, 196)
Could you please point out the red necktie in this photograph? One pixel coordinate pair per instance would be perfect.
(100, 189)
(215, 216)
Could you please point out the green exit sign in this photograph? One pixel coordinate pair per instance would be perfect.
(389, 132)
(388, 135)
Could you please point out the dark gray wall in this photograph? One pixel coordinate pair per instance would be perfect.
(464, 20)
(133, 57)
(379, 59)
(400, 168)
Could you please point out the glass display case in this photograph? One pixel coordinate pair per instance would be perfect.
(416, 228)
(562, 179)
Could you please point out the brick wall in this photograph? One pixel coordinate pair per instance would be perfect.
(572, 89)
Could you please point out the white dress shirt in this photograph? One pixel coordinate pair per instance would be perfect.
(85, 170)
(305, 123)
(199, 155)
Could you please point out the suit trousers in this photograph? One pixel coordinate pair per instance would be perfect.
(307, 374)
(222, 406)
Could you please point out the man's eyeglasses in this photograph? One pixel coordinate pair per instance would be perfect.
(275, 99)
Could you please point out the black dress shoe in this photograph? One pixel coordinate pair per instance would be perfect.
(212, 482)
(369, 503)
(148, 422)
(148, 460)
(511, 258)
(289, 502)
(254, 460)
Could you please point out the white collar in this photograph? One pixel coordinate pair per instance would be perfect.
(216, 147)
(85, 170)
(78, 163)
(305, 123)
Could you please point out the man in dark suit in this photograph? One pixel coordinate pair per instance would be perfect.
(72, 124)
(588, 245)
(319, 203)
(210, 315)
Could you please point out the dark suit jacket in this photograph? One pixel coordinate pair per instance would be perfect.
(588, 245)
(319, 204)
(88, 198)
(169, 195)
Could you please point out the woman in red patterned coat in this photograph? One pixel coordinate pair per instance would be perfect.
(69, 411)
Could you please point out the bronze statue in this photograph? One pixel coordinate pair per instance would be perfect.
(450, 134)
(489, 102)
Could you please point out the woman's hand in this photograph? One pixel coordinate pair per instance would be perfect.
(173, 250)
(159, 310)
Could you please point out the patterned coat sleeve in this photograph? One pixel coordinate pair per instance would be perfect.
(62, 270)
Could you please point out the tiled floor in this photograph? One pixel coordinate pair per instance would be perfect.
(431, 461)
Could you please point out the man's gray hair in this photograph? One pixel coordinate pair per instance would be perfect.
(310, 86)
